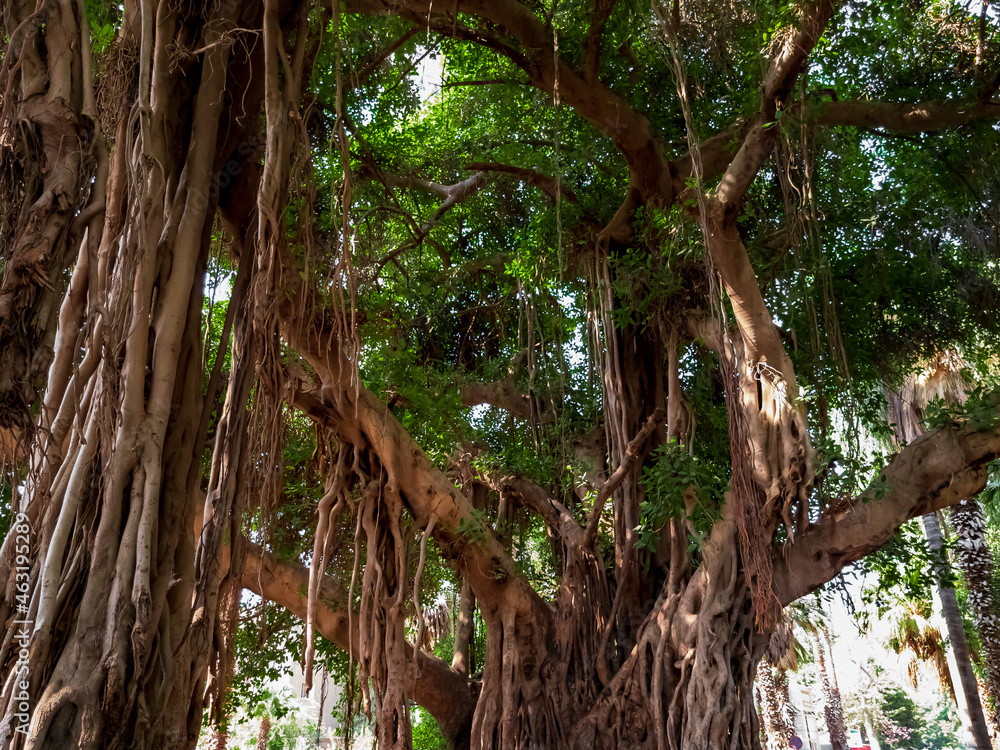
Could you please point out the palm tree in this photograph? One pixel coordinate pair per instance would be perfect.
(942, 380)
(775, 704)
(956, 634)
(219, 739)
(264, 731)
(813, 620)
(269, 705)
(974, 560)
(783, 655)
(833, 709)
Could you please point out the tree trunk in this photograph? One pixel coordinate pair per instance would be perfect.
(689, 681)
(219, 739)
(123, 603)
(52, 146)
(264, 732)
(975, 719)
(832, 708)
(973, 559)
(772, 682)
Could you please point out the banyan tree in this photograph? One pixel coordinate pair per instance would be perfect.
(580, 307)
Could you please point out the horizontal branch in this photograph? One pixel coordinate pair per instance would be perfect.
(535, 54)
(556, 515)
(503, 394)
(905, 117)
(434, 685)
(358, 416)
(551, 186)
(936, 470)
(485, 82)
(500, 393)
(451, 194)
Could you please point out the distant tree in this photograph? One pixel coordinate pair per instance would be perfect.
(902, 723)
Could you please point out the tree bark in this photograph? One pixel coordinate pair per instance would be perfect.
(428, 681)
(772, 682)
(832, 706)
(464, 631)
(973, 559)
(52, 148)
(118, 654)
(263, 732)
(219, 739)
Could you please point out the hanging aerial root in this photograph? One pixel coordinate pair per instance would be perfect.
(328, 513)
(419, 612)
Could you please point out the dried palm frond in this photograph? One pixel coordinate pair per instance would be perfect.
(915, 634)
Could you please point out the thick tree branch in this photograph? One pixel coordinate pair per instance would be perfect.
(484, 82)
(707, 329)
(936, 470)
(361, 418)
(556, 515)
(599, 15)
(503, 394)
(721, 207)
(905, 117)
(784, 70)
(433, 685)
(453, 193)
(760, 336)
(717, 153)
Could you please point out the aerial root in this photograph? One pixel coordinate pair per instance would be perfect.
(416, 590)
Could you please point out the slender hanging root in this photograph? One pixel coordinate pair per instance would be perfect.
(416, 588)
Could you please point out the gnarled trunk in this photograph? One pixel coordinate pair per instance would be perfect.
(50, 149)
(689, 680)
(121, 600)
